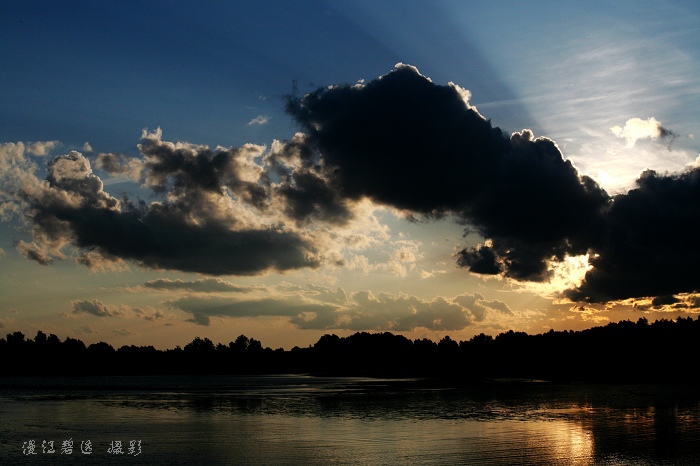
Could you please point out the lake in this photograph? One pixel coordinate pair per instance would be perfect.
(295, 419)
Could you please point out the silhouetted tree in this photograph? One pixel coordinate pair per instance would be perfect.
(622, 351)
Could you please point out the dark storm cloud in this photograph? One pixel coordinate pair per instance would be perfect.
(651, 243)
(399, 140)
(406, 142)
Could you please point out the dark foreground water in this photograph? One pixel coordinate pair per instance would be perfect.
(309, 421)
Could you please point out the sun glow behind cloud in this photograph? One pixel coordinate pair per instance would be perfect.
(565, 275)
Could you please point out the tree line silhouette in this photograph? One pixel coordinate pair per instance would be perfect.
(663, 351)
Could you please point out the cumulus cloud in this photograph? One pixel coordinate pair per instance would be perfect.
(636, 128)
(197, 227)
(218, 211)
(94, 307)
(194, 173)
(87, 147)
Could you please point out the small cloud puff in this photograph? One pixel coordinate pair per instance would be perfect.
(259, 120)
(85, 329)
(34, 252)
(41, 148)
(636, 128)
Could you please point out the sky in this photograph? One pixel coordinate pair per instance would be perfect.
(286, 170)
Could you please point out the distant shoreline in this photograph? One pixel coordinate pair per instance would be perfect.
(623, 352)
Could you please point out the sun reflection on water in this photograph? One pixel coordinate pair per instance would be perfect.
(572, 441)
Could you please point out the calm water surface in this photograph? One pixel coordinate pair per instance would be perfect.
(312, 420)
